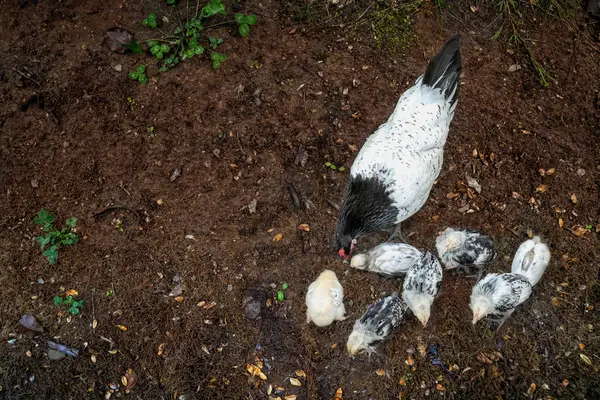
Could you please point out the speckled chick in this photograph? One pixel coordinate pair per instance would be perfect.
(459, 247)
(499, 294)
(376, 324)
(325, 300)
(388, 259)
(422, 285)
(531, 260)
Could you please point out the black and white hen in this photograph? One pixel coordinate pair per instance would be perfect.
(422, 285)
(499, 294)
(394, 171)
(388, 259)
(459, 247)
(376, 324)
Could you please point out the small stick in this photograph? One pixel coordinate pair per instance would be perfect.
(107, 211)
(26, 77)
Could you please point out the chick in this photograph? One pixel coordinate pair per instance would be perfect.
(499, 294)
(464, 248)
(389, 259)
(325, 300)
(422, 285)
(531, 260)
(376, 324)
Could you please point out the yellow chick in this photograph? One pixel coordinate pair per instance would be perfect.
(325, 300)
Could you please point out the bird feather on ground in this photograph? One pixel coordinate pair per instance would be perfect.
(394, 171)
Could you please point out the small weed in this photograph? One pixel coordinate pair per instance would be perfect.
(188, 38)
(119, 225)
(334, 167)
(73, 306)
(52, 237)
(131, 102)
(280, 293)
(151, 132)
(109, 293)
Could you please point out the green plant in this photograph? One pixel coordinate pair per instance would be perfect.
(280, 293)
(334, 167)
(188, 38)
(73, 306)
(52, 237)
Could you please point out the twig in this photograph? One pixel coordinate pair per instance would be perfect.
(26, 76)
(363, 14)
(237, 135)
(107, 211)
(125, 190)
(333, 204)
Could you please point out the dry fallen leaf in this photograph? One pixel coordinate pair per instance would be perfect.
(124, 381)
(300, 373)
(542, 171)
(72, 292)
(541, 189)
(574, 198)
(551, 171)
(122, 327)
(290, 397)
(333, 346)
(581, 346)
(295, 382)
(586, 359)
(304, 227)
(555, 302)
(439, 387)
(201, 304)
(402, 381)
(380, 372)
(261, 375)
(565, 382)
(578, 231)
(410, 361)
(179, 298)
(338, 394)
(94, 323)
(161, 349)
(131, 378)
(531, 389)
(113, 352)
(93, 358)
(561, 223)
(278, 237)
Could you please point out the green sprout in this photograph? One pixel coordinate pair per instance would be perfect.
(54, 238)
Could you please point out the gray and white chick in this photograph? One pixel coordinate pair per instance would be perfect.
(531, 259)
(499, 294)
(389, 259)
(422, 285)
(460, 247)
(376, 324)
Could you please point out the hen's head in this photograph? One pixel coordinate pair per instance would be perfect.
(344, 244)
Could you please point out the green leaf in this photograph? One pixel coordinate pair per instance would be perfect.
(213, 8)
(43, 241)
(58, 300)
(44, 218)
(199, 50)
(244, 30)
(327, 164)
(171, 2)
(143, 79)
(341, 169)
(133, 75)
(134, 46)
(163, 69)
(284, 285)
(140, 68)
(71, 222)
(73, 310)
(164, 48)
(251, 19)
(51, 254)
(159, 55)
(153, 24)
(280, 296)
(154, 49)
(216, 64)
(239, 18)
(152, 43)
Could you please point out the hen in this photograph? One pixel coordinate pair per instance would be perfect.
(394, 171)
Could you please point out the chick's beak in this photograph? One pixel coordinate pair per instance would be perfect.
(423, 318)
(476, 317)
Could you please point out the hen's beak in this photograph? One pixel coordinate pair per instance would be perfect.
(342, 253)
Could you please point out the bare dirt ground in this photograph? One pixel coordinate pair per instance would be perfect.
(71, 142)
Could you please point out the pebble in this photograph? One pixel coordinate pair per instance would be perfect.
(34, 183)
(118, 67)
(581, 172)
(41, 281)
(229, 287)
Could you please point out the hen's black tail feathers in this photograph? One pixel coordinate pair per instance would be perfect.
(443, 71)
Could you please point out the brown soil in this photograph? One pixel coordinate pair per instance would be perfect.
(71, 142)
